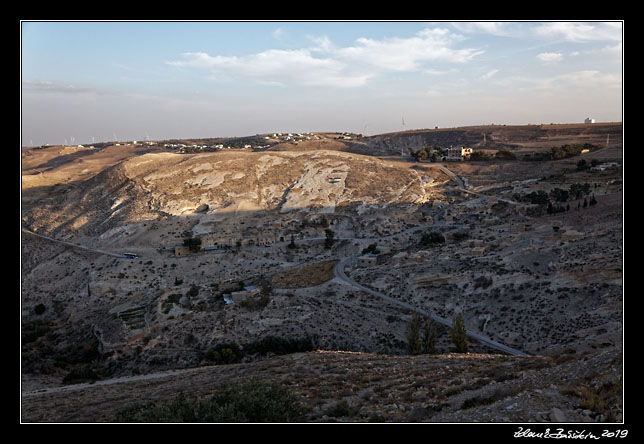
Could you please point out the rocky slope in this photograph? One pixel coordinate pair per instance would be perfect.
(156, 185)
(556, 294)
(363, 387)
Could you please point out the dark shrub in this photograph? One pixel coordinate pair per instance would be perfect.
(279, 346)
(225, 353)
(246, 402)
(83, 373)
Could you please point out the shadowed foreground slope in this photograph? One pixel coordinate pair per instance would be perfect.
(364, 387)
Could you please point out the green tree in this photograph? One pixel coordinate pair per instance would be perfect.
(538, 197)
(578, 190)
(194, 291)
(559, 194)
(225, 353)
(414, 346)
(372, 248)
(592, 201)
(193, 244)
(459, 335)
(328, 242)
(505, 154)
(432, 238)
(430, 337)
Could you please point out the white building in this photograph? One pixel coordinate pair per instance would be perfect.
(458, 154)
(589, 120)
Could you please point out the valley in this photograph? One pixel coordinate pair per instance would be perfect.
(234, 245)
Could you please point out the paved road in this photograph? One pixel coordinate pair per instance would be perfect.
(461, 185)
(338, 272)
(119, 380)
(458, 180)
(69, 244)
(339, 268)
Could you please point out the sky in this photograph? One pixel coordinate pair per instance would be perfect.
(84, 82)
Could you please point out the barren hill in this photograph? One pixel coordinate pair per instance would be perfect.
(513, 137)
(214, 185)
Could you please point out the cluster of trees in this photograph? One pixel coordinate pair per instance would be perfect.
(504, 155)
(193, 244)
(501, 154)
(431, 153)
(232, 353)
(562, 152)
(583, 165)
(426, 343)
(556, 153)
(552, 200)
(435, 153)
(556, 208)
(432, 238)
(570, 150)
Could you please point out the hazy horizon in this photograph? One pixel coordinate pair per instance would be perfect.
(108, 81)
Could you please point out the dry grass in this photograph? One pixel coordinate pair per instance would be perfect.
(308, 276)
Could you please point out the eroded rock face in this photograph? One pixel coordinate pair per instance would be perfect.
(165, 184)
(271, 181)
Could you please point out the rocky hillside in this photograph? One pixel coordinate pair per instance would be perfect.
(547, 284)
(154, 185)
(364, 387)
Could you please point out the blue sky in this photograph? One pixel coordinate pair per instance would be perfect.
(101, 81)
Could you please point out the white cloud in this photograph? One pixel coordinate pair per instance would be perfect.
(493, 28)
(581, 32)
(550, 57)
(55, 88)
(404, 54)
(489, 74)
(324, 64)
(440, 72)
(584, 80)
(322, 44)
(278, 34)
(276, 66)
(588, 79)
